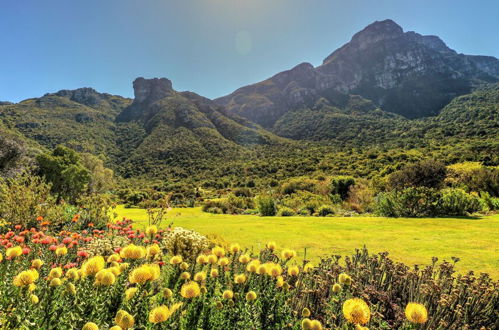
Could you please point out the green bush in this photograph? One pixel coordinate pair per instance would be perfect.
(410, 202)
(428, 173)
(325, 210)
(286, 212)
(266, 205)
(492, 203)
(340, 185)
(297, 184)
(458, 202)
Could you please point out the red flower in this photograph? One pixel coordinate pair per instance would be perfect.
(26, 250)
(53, 247)
(83, 254)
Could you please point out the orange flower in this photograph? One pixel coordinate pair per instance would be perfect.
(40, 218)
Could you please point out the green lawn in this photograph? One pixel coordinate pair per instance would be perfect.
(413, 241)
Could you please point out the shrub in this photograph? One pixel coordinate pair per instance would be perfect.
(186, 243)
(286, 212)
(242, 192)
(325, 210)
(266, 205)
(340, 185)
(458, 202)
(410, 202)
(360, 198)
(294, 185)
(428, 173)
(492, 203)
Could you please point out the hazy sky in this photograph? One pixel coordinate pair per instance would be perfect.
(210, 47)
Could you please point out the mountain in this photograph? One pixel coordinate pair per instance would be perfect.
(401, 72)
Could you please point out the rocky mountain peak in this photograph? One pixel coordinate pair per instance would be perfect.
(151, 90)
(86, 95)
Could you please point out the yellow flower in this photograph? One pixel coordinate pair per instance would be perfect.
(262, 269)
(356, 311)
(14, 252)
(294, 271)
(344, 279)
(167, 293)
(116, 327)
(31, 287)
(72, 274)
(55, 282)
(235, 248)
(1, 257)
(203, 290)
(305, 312)
(162, 313)
(288, 254)
(185, 275)
(90, 326)
(416, 313)
(212, 259)
(34, 299)
(71, 288)
(151, 230)
(124, 266)
(240, 279)
(115, 270)
(114, 258)
(251, 295)
(129, 293)
(274, 270)
(271, 245)
(308, 267)
(105, 277)
(308, 324)
(184, 265)
(223, 261)
(279, 282)
(55, 272)
(252, 267)
(244, 259)
(214, 272)
(218, 251)
(200, 276)
(190, 290)
(336, 288)
(228, 294)
(175, 260)
(61, 251)
(144, 273)
(133, 251)
(202, 259)
(26, 278)
(359, 327)
(124, 319)
(93, 265)
(37, 263)
(153, 250)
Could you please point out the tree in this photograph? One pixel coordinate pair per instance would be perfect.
(64, 170)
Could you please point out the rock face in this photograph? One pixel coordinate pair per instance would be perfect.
(402, 72)
(86, 95)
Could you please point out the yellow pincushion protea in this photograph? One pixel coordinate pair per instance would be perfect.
(336, 288)
(185, 275)
(190, 290)
(61, 251)
(34, 299)
(14, 252)
(90, 326)
(344, 279)
(151, 230)
(212, 259)
(218, 251)
(271, 245)
(294, 271)
(133, 251)
(105, 277)
(93, 265)
(37, 263)
(202, 259)
(280, 282)
(124, 319)
(26, 278)
(175, 260)
(308, 324)
(244, 259)
(252, 267)
(130, 293)
(114, 258)
(274, 270)
(288, 254)
(163, 313)
(251, 295)
(416, 313)
(72, 274)
(71, 288)
(200, 276)
(308, 267)
(214, 272)
(235, 248)
(240, 278)
(55, 272)
(55, 282)
(144, 273)
(228, 294)
(305, 312)
(223, 261)
(153, 250)
(356, 311)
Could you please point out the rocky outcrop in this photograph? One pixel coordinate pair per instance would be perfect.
(401, 72)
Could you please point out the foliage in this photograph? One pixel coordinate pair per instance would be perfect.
(429, 173)
(340, 185)
(325, 210)
(286, 212)
(184, 242)
(360, 198)
(458, 202)
(266, 205)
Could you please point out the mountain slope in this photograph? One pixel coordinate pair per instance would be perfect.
(404, 73)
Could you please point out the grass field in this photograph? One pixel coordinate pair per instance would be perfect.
(414, 241)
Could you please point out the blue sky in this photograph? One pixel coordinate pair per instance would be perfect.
(210, 47)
